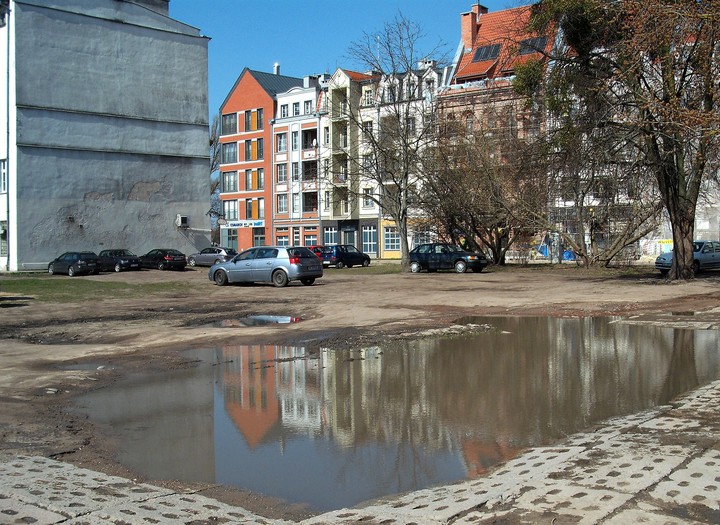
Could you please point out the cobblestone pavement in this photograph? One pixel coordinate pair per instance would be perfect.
(658, 466)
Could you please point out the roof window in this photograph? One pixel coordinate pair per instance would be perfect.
(532, 45)
(489, 52)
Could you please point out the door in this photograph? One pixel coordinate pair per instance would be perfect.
(240, 269)
(263, 264)
(349, 237)
(435, 258)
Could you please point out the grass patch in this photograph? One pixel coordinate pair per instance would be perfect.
(49, 289)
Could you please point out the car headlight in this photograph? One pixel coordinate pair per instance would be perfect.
(472, 257)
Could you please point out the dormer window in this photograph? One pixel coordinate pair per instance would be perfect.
(490, 52)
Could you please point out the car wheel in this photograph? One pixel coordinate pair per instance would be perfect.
(191, 261)
(664, 272)
(308, 282)
(220, 278)
(460, 266)
(51, 269)
(349, 265)
(71, 271)
(696, 267)
(415, 267)
(161, 266)
(118, 268)
(366, 263)
(340, 265)
(279, 278)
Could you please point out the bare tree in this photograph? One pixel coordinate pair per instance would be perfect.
(215, 180)
(655, 67)
(395, 125)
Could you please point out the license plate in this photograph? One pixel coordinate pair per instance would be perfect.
(134, 265)
(313, 268)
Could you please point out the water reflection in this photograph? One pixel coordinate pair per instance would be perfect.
(334, 429)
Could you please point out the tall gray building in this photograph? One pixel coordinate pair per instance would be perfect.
(106, 136)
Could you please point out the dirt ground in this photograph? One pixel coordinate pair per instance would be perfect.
(345, 309)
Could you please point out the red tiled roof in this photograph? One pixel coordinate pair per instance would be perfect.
(357, 77)
(507, 28)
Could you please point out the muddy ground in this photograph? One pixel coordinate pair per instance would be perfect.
(345, 309)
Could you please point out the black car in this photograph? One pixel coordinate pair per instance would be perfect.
(341, 255)
(75, 263)
(164, 259)
(118, 259)
(441, 256)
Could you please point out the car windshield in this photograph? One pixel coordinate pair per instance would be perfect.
(230, 251)
(328, 249)
(300, 251)
(697, 246)
(88, 255)
(173, 252)
(126, 253)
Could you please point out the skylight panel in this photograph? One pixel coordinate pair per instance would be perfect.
(532, 45)
(489, 52)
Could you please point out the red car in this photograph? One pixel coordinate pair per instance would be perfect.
(317, 249)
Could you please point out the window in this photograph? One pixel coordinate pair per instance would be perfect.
(248, 180)
(308, 107)
(326, 200)
(369, 243)
(258, 236)
(410, 125)
(248, 150)
(260, 117)
(344, 137)
(228, 153)
(295, 138)
(367, 164)
(282, 240)
(282, 203)
(392, 239)
(489, 52)
(229, 124)
(295, 202)
(3, 176)
(281, 142)
(260, 149)
(260, 179)
(284, 111)
(295, 171)
(229, 181)
(231, 236)
(330, 234)
(310, 240)
(296, 109)
(310, 201)
(368, 97)
(367, 127)
(249, 209)
(532, 45)
(248, 121)
(368, 201)
(281, 173)
(326, 135)
(230, 210)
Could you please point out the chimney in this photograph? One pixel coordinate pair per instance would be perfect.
(276, 68)
(469, 24)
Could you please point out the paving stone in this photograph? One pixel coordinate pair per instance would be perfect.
(15, 511)
(646, 513)
(582, 504)
(697, 482)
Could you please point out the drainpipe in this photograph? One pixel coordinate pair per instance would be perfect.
(7, 140)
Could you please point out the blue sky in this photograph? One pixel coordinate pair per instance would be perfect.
(306, 37)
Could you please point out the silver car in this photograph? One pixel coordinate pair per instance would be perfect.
(706, 256)
(211, 255)
(269, 264)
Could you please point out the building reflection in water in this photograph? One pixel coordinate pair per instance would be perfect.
(333, 429)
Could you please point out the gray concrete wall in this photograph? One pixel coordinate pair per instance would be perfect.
(112, 129)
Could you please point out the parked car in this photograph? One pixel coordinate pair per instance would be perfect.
(163, 259)
(706, 256)
(341, 255)
(118, 260)
(442, 256)
(269, 264)
(75, 263)
(317, 249)
(210, 256)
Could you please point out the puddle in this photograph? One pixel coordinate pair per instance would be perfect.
(335, 429)
(256, 320)
(84, 366)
